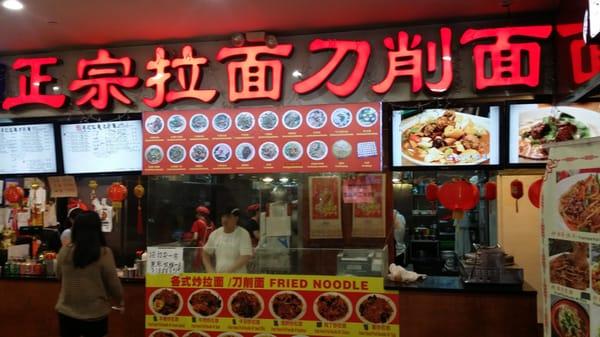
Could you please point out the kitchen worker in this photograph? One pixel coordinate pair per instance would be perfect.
(230, 245)
(252, 225)
(203, 226)
(399, 234)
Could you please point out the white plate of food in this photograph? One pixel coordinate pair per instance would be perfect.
(154, 154)
(244, 121)
(341, 118)
(292, 151)
(245, 152)
(222, 152)
(367, 117)
(317, 150)
(445, 137)
(376, 309)
(154, 124)
(332, 307)
(199, 123)
(341, 149)
(176, 153)
(221, 122)
(578, 202)
(287, 305)
(268, 151)
(246, 304)
(205, 303)
(292, 119)
(268, 120)
(554, 124)
(176, 123)
(165, 302)
(199, 153)
(316, 118)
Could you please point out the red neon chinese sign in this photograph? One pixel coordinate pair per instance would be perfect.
(505, 56)
(30, 87)
(579, 52)
(103, 77)
(252, 71)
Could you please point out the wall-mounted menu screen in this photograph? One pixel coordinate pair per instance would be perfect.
(533, 125)
(27, 149)
(445, 137)
(102, 147)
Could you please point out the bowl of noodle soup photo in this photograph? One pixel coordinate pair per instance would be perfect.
(578, 203)
(569, 264)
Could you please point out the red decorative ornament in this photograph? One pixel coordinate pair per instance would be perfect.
(490, 191)
(506, 56)
(431, 193)
(117, 193)
(31, 88)
(458, 196)
(516, 191)
(14, 194)
(535, 192)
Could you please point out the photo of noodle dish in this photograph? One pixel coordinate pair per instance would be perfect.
(569, 318)
(199, 153)
(221, 122)
(199, 123)
(332, 307)
(569, 264)
(244, 121)
(287, 305)
(596, 269)
(245, 304)
(165, 302)
(376, 309)
(578, 202)
(205, 303)
(292, 119)
(154, 124)
(445, 137)
(176, 123)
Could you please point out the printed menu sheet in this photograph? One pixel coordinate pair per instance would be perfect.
(571, 240)
(325, 214)
(320, 138)
(368, 216)
(27, 149)
(236, 305)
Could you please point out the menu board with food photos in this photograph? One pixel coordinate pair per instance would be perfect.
(27, 149)
(534, 125)
(571, 239)
(257, 305)
(287, 139)
(446, 136)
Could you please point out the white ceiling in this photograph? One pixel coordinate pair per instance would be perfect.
(54, 24)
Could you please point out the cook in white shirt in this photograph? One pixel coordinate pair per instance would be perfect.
(230, 245)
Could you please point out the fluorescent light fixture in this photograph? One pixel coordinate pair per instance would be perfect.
(395, 180)
(267, 180)
(284, 180)
(297, 74)
(13, 5)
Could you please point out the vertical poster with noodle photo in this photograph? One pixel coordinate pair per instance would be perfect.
(570, 239)
(446, 137)
(368, 217)
(325, 200)
(534, 125)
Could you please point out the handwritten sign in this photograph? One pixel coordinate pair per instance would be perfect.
(165, 260)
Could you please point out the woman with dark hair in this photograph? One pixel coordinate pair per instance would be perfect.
(89, 280)
(65, 236)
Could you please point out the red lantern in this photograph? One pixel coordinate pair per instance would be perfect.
(431, 194)
(458, 196)
(516, 190)
(14, 194)
(489, 191)
(117, 192)
(535, 192)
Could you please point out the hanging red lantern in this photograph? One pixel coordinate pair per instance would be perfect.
(139, 191)
(516, 191)
(535, 192)
(458, 196)
(117, 193)
(489, 191)
(14, 194)
(431, 194)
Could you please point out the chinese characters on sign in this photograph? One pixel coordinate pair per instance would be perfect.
(257, 71)
(165, 260)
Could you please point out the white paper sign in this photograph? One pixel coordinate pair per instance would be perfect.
(165, 260)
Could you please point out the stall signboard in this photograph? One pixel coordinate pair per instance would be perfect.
(325, 202)
(344, 137)
(571, 239)
(462, 60)
(257, 305)
(368, 220)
